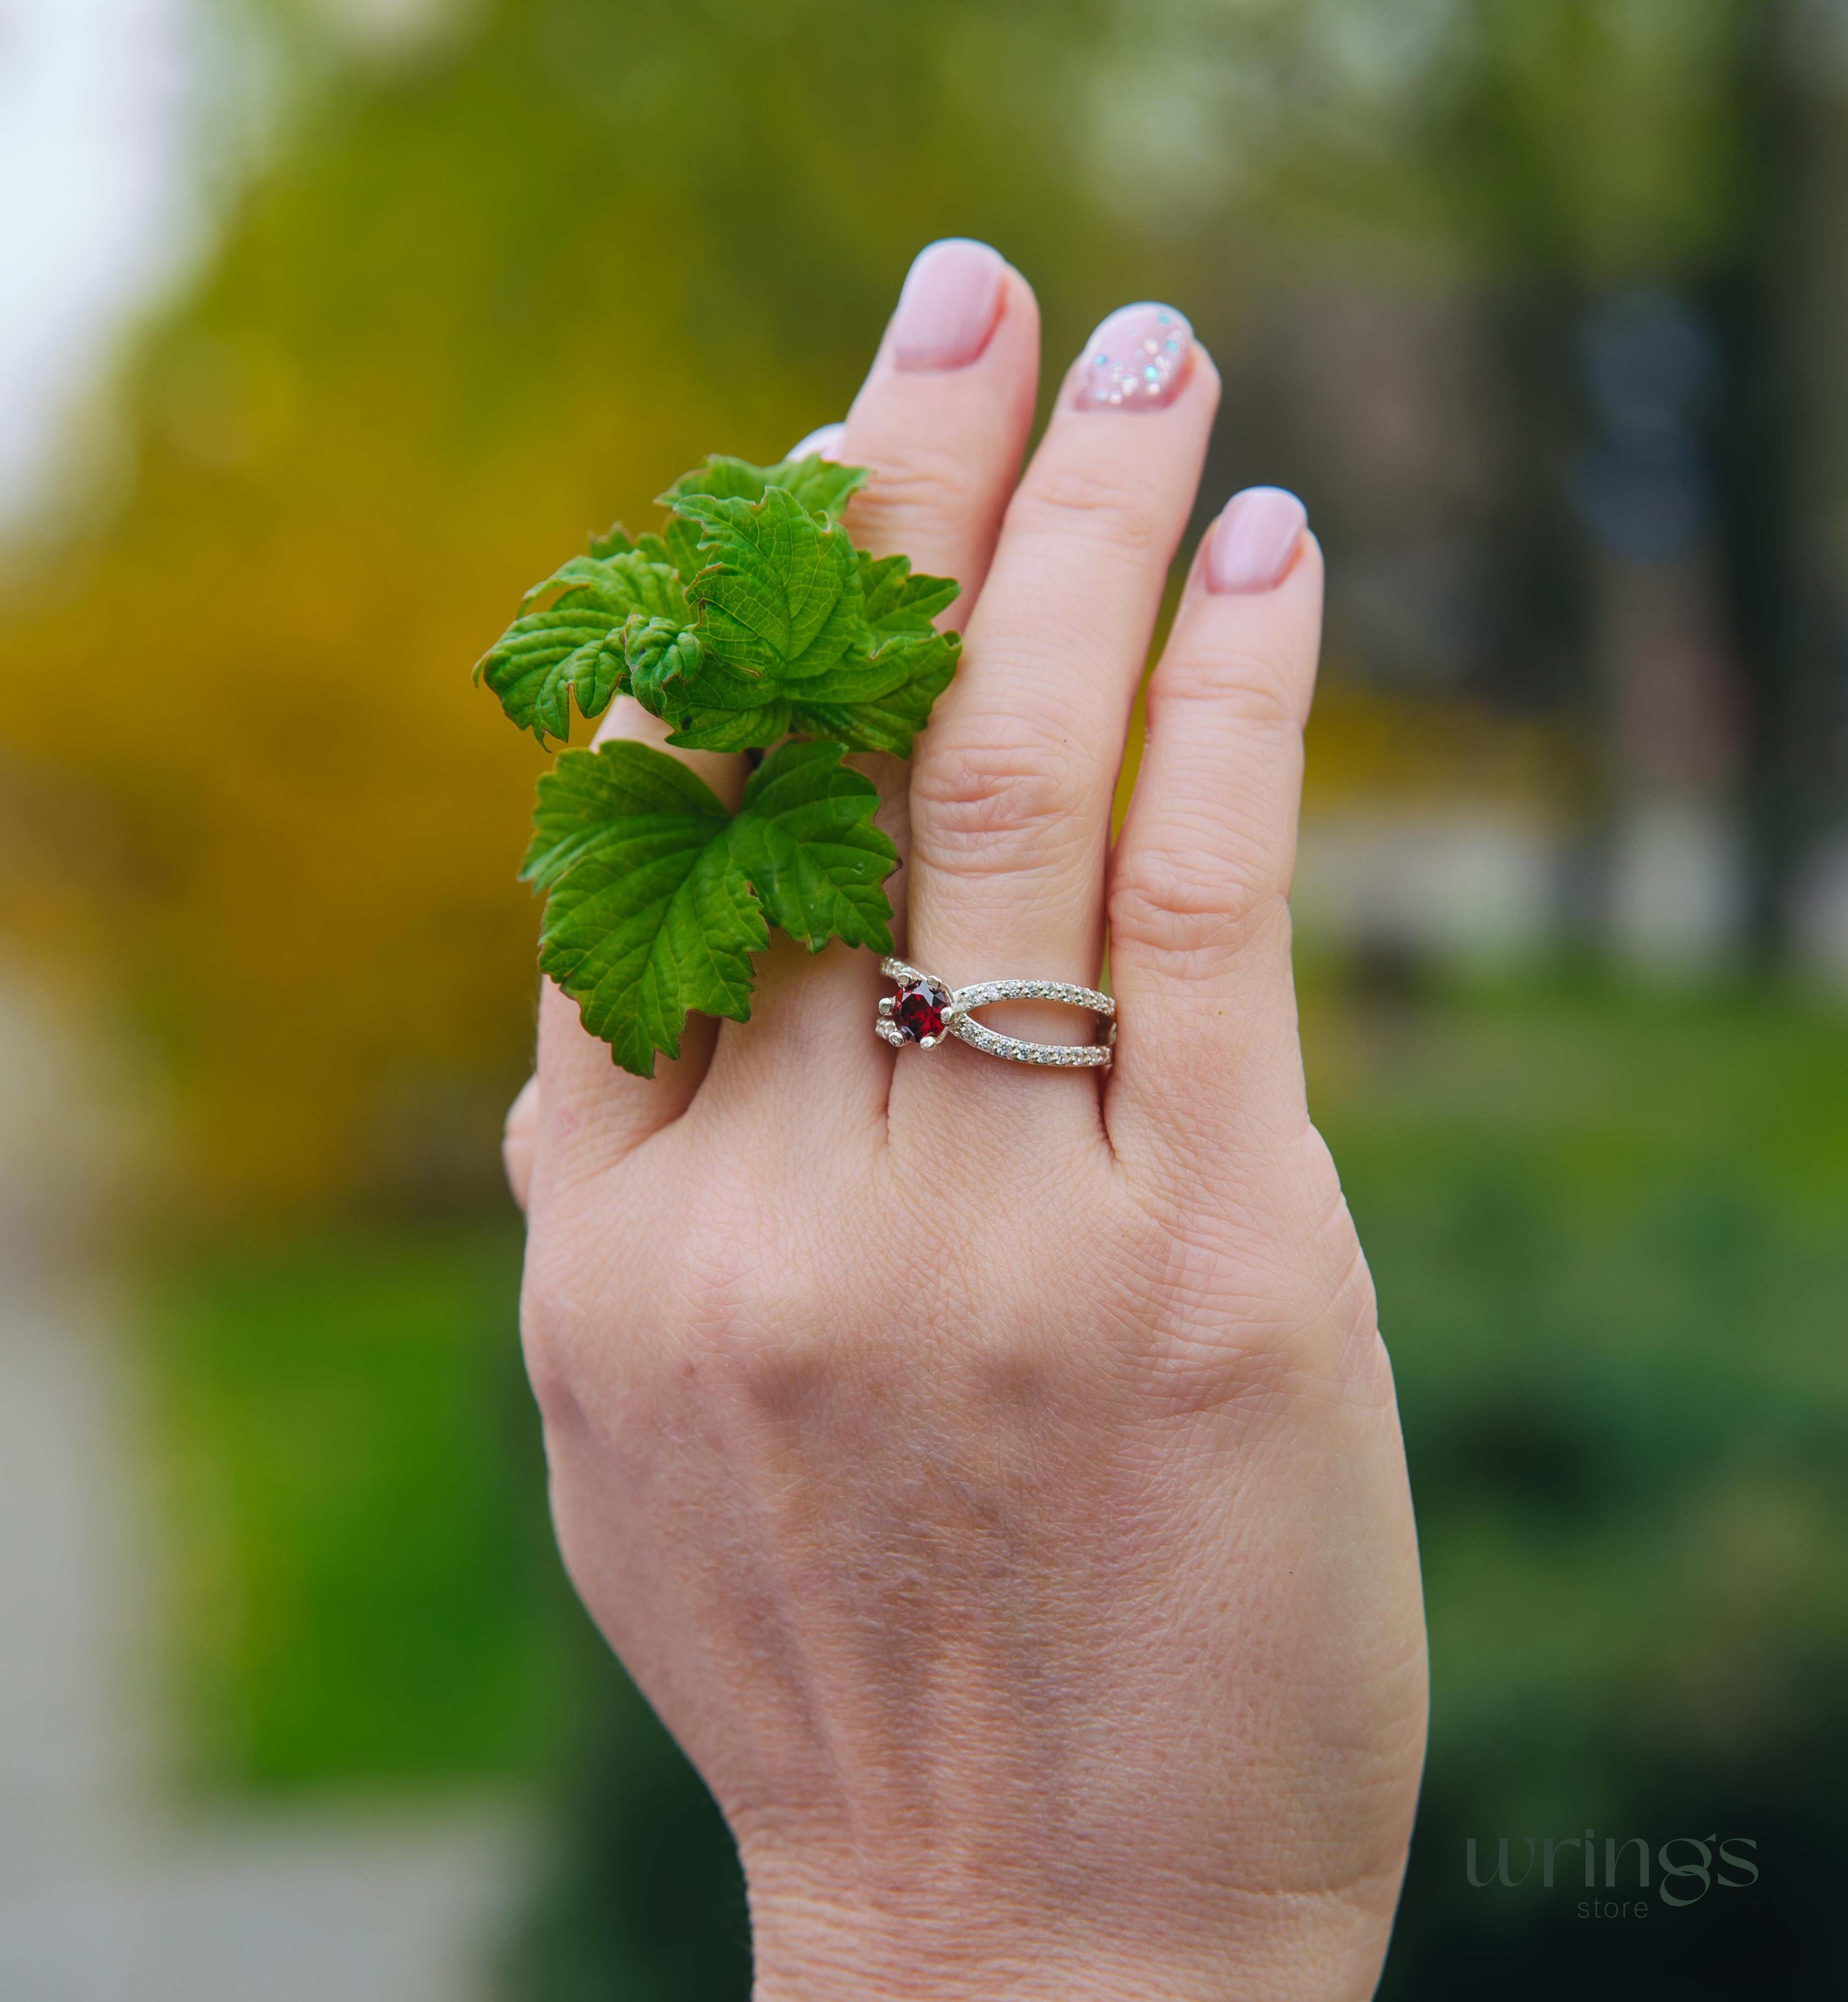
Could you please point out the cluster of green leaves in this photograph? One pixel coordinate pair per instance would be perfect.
(750, 619)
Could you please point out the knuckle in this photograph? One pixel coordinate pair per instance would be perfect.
(551, 1339)
(913, 481)
(519, 1135)
(744, 1321)
(1178, 907)
(1243, 688)
(754, 1319)
(1091, 504)
(1226, 1342)
(782, 1365)
(1010, 792)
(1229, 1325)
(523, 1115)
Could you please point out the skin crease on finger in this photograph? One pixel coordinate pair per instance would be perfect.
(1008, 1513)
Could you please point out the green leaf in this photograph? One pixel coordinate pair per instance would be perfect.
(900, 601)
(778, 597)
(586, 793)
(722, 476)
(888, 723)
(733, 729)
(625, 581)
(680, 544)
(643, 922)
(876, 696)
(821, 486)
(775, 603)
(573, 650)
(657, 899)
(752, 616)
(661, 657)
(880, 698)
(805, 837)
(545, 658)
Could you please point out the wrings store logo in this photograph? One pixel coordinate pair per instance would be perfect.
(1681, 1871)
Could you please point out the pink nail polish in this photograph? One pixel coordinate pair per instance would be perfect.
(1255, 540)
(1137, 360)
(948, 308)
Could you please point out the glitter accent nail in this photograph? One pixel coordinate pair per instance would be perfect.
(1136, 360)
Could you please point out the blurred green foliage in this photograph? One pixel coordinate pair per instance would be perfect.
(1606, 1233)
(366, 1590)
(1606, 1237)
(646, 1900)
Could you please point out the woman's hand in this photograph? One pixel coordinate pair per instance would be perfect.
(992, 1474)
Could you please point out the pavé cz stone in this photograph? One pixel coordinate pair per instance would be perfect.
(918, 1011)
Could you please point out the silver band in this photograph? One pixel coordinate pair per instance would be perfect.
(924, 1000)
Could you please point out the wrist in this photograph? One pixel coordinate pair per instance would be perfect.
(831, 1939)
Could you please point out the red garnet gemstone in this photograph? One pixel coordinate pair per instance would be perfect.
(919, 1010)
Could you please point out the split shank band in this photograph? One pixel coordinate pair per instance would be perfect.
(925, 1010)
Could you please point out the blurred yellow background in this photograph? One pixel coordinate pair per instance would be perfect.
(329, 325)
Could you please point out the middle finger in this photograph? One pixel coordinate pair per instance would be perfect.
(1012, 785)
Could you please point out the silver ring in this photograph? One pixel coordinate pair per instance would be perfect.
(925, 1010)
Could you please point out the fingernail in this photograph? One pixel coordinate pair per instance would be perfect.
(821, 443)
(948, 307)
(1255, 540)
(1137, 360)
